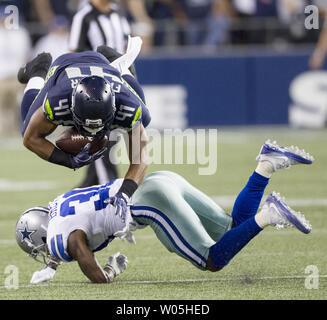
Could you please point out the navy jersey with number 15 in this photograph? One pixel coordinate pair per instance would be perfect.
(64, 74)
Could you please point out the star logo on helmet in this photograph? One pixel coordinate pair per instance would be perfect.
(26, 234)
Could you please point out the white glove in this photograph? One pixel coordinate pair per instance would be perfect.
(45, 274)
(128, 235)
(117, 263)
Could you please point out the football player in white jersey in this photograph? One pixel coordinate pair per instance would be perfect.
(185, 220)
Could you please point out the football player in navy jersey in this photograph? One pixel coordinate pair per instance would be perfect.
(88, 92)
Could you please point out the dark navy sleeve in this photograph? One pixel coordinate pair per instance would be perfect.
(128, 116)
(135, 85)
(146, 117)
(131, 109)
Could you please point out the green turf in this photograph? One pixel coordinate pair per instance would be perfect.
(272, 266)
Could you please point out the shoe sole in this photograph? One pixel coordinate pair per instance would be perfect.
(270, 148)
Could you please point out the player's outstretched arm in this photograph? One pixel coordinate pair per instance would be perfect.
(137, 154)
(79, 251)
(137, 140)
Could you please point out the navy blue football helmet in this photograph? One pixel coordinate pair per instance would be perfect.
(93, 106)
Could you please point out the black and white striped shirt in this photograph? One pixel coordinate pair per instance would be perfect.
(92, 28)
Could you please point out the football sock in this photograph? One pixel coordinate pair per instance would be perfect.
(261, 220)
(248, 201)
(265, 169)
(34, 83)
(31, 91)
(232, 242)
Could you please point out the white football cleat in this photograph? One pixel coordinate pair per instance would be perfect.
(283, 157)
(280, 215)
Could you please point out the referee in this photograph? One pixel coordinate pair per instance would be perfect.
(99, 22)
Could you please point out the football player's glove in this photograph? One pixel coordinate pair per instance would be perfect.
(120, 201)
(117, 263)
(84, 158)
(43, 275)
(125, 234)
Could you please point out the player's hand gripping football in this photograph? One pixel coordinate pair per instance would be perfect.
(117, 263)
(43, 275)
(84, 158)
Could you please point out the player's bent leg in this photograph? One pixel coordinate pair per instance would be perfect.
(159, 203)
(233, 241)
(214, 219)
(36, 97)
(275, 212)
(271, 158)
(33, 74)
(28, 98)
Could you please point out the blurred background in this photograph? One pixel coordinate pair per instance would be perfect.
(204, 63)
(253, 69)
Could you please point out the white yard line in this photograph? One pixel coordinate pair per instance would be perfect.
(224, 201)
(120, 283)
(9, 185)
(5, 242)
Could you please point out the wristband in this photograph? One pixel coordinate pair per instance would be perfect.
(60, 157)
(128, 187)
(110, 274)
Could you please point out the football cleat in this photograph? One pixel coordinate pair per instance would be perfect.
(283, 157)
(110, 53)
(38, 67)
(280, 215)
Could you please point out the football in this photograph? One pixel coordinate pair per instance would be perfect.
(73, 142)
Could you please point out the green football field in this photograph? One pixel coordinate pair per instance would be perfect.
(284, 264)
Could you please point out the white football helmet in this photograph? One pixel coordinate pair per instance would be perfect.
(31, 233)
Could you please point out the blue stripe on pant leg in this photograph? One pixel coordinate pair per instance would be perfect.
(170, 236)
